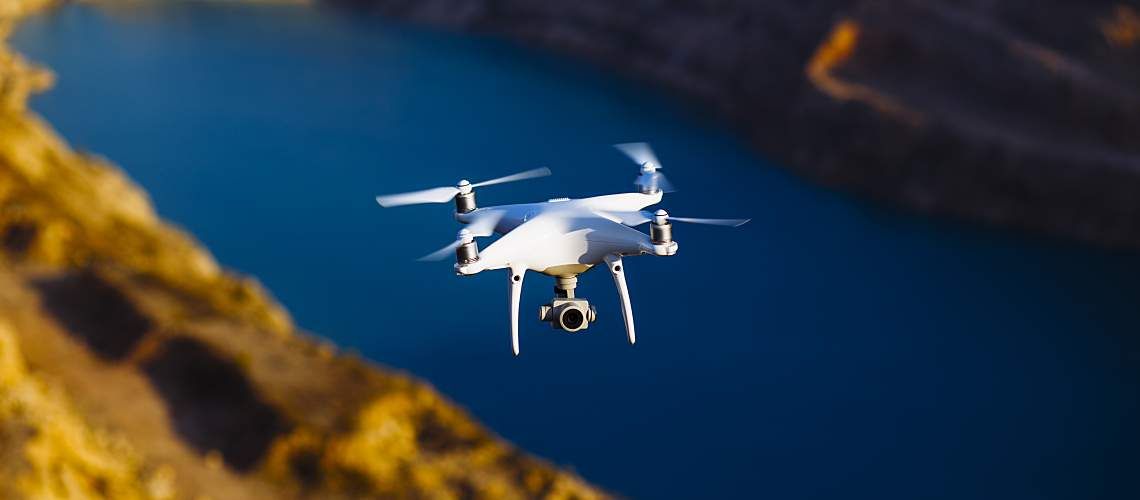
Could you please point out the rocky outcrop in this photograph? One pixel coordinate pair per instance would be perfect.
(1018, 113)
(133, 366)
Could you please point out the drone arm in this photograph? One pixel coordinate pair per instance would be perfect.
(618, 272)
(515, 278)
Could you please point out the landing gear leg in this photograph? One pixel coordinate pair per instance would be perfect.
(618, 272)
(516, 280)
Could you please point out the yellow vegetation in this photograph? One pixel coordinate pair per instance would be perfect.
(47, 451)
(46, 193)
(411, 443)
(337, 426)
(12, 10)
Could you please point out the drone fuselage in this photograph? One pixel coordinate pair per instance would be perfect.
(560, 237)
(574, 235)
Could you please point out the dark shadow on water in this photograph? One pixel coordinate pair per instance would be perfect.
(212, 404)
(94, 311)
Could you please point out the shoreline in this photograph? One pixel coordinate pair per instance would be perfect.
(1022, 122)
(148, 370)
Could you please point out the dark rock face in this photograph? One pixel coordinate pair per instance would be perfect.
(95, 312)
(1020, 113)
(213, 404)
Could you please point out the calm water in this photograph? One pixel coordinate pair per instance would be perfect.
(827, 349)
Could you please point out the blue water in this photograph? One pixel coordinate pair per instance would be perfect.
(827, 349)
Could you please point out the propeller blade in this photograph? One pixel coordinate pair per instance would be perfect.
(628, 218)
(529, 174)
(483, 225)
(641, 217)
(713, 222)
(434, 195)
(442, 253)
(447, 193)
(639, 152)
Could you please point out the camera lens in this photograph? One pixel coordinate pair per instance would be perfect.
(572, 318)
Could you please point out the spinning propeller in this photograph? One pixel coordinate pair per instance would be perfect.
(662, 217)
(650, 180)
(447, 193)
(483, 225)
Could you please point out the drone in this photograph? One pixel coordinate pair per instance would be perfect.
(560, 237)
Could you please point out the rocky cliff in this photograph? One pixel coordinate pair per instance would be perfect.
(1019, 113)
(133, 366)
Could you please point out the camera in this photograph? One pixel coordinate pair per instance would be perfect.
(569, 314)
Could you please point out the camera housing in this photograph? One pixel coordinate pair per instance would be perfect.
(568, 314)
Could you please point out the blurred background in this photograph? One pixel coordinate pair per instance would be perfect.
(936, 297)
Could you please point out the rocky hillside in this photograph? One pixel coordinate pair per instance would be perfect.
(1020, 113)
(133, 366)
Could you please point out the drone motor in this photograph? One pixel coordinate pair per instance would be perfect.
(467, 253)
(465, 199)
(468, 250)
(661, 231)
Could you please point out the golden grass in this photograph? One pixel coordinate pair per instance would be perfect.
(51, 452)
(352, 429)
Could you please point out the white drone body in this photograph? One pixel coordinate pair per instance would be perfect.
(561, 238)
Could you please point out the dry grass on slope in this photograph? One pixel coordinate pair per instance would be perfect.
(48, 451)
(147, 369)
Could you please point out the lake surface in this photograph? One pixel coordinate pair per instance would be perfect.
(827, 349)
